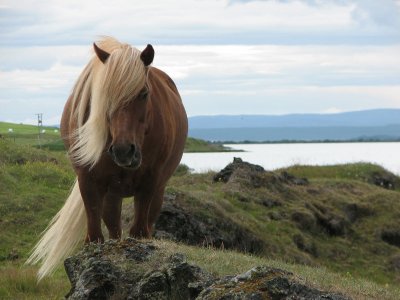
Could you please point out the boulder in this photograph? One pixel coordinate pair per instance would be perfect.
(132, 269)
(255, 176)
(263, 283)
(225, 174)
(191, 227)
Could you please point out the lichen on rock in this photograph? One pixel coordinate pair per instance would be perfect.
(133, 269)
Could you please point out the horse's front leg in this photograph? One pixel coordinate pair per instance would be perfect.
(140, 228)
(112, 215)
(147, 208)
(92, 195)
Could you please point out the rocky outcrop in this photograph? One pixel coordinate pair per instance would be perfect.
(264, 283)
(139, 270)
(132, 270)
(191, 227)
(255, 174)
(225, 174)
(386, 180)
(391, 236)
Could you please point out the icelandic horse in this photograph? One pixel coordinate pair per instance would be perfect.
(125, 127)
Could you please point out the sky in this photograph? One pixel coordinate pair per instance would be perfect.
(227, 57)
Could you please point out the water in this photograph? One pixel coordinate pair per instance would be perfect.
(273, 156)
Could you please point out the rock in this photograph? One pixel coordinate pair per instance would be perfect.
(254, 175)
(263, 283)
(304, 220)
(191, 227)
(386, 180)
(225, 174)
(276, 216)
(135, 270)
(271, 202)
(391, 236)
(288, 178)
(120, 270)
(356, 211)
(332, 223)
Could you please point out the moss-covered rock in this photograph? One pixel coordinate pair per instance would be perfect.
(133, 269)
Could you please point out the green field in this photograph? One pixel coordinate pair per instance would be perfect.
(50, 139)
(34, 184)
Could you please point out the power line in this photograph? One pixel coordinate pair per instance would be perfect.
(40, 125)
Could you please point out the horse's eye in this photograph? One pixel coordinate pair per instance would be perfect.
(143, 95)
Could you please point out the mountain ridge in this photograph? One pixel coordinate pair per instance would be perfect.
(378, 124)
(374, 117)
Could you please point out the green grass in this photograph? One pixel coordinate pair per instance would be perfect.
(196, 145)
(222, 262)
(360, 172)
(28, 135)
(360, 251)
(34, 184)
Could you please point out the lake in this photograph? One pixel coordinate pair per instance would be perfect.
(274, 156)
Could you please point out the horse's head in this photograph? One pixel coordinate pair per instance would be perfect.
(128, 122)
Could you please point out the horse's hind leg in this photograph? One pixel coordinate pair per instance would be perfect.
(92, 195)
(112, 215)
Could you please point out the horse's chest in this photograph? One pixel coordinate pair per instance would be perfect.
(123, 184)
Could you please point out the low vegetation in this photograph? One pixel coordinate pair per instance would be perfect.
(338, 232)
(196, 145)
(49, 138)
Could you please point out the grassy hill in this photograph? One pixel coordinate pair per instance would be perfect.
(50, 139)
(334, 232)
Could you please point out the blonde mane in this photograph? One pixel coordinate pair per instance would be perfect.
(105, 88)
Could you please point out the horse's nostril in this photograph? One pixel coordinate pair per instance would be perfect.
(133, 149)
(110, 150)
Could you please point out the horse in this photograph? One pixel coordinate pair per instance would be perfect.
(125, 127)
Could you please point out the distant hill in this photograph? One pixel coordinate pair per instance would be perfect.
(379, 124)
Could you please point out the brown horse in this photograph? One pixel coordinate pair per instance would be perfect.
(125, 128)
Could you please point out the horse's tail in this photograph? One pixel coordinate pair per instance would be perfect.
(61, 236)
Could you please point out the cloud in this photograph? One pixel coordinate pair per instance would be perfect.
(198, 22)
(225, 56)
(364, 12)
(216, 79)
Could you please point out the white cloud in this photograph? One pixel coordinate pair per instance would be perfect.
(225, 56)
(57, 76)
(199, 22)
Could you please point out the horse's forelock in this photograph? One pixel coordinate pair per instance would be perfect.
(113, 84)
(122, 78)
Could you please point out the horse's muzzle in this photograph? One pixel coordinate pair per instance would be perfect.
(125, 155)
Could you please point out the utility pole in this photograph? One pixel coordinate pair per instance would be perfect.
(40, 125)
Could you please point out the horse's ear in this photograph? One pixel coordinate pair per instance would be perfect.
(147, 55)
(101, 54)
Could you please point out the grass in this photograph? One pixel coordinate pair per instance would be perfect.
(196, 145)
(224, 262)
(334, 193)
(28, 135)
(34, 184)
(19, 282)
(23, 134)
